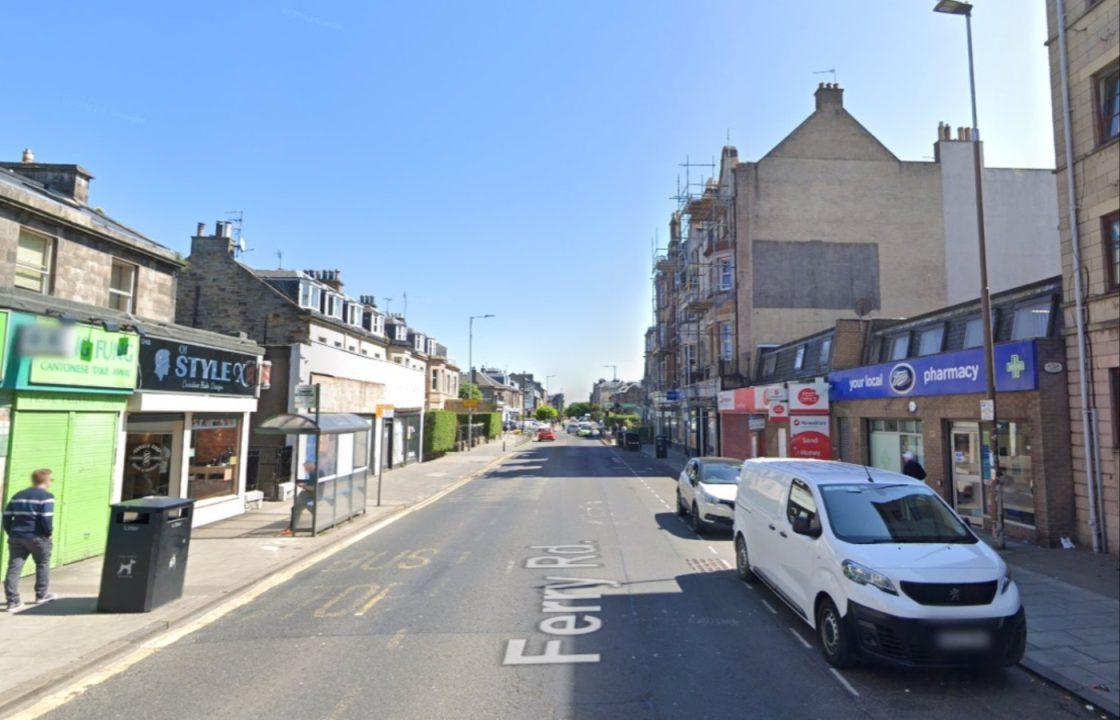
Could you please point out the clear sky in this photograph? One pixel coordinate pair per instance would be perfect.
(512, 158)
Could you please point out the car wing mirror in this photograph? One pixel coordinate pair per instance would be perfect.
(803, 526)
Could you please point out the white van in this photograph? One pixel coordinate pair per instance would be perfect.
(877, 563)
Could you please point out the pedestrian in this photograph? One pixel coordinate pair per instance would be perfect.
(911, 466)
(29, 525)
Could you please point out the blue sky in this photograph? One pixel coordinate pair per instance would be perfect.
(506, 158)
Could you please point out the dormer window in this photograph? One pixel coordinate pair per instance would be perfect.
(354, 314)
(332, 305)
(310, 295)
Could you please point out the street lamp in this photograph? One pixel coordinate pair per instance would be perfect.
(474, 378)
(957, 7)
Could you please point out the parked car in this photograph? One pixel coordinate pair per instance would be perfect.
(877, 563)
(706, 492)
(546, 433)
(573, 427)
(585, 429)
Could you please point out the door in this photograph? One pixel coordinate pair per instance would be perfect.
(768, 491)
(387, 443)
(38, 441)
(968, 487)
(798, 553)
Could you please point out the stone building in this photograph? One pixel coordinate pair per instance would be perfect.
(828, 224)
(1091, 87)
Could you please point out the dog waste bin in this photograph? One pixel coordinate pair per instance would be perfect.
(146, 555)
(661, 446)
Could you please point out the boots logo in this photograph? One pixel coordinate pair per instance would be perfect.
(902, 378)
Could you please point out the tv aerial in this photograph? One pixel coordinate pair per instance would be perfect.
(237, 217)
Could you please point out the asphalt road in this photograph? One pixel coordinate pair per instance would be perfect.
(440, 615)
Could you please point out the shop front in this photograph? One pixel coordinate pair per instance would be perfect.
(754, 422)
(64, 391)
(186, 433)
(930, 406)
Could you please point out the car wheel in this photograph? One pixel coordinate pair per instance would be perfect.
(835, 643)
(694, 520)
(743, 562)
(681, 509)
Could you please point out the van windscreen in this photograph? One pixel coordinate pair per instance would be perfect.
(877, 513)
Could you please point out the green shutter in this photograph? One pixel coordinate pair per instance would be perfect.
(84, 501)
(38, 440)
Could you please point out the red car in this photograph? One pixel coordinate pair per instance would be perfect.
(546, 433)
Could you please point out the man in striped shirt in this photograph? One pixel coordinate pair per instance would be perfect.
(29, 524)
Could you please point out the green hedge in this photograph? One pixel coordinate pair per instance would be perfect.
(439, 433)
(491, 423)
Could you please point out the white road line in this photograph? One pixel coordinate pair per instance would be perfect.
(714, 551)
(725, 563)
(800, 639)
(770, 607)
(844, 681)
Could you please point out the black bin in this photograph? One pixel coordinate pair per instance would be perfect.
(146, 555)
(631, 440)
(661, 446)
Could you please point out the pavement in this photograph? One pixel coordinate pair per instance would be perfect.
(1072, 598)
(45, 645)
(558, 584)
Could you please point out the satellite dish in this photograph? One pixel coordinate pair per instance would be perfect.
(241, 244)
(863, 306)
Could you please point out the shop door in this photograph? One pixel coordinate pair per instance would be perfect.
(968, 488)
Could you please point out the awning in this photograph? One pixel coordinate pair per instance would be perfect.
(329, 424)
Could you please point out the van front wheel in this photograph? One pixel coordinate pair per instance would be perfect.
(835, 643)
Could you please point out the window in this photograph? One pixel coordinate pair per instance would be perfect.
(725, 275)
(215, 443)
(973, 333)
(333, 306)
(826, 352)
(122, 287)
(435, 379)
(900, 346)
(33, 262)
(769, 363)
(930, 340)
(1110, 231)
(309, 295)
(726, 341)
(1108, 106)
(799, 357)
(354, 314)
(1031, 320)
(801, 504)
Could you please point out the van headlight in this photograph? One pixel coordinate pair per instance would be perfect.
(863, 575)
(1005, 583)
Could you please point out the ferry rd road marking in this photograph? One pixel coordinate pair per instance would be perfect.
(844, 681)
(800, 639)
(567, 601)
(154, 644)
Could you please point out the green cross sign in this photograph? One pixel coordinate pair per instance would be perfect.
(1016, 366)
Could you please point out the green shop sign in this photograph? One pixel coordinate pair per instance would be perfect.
(90, 357)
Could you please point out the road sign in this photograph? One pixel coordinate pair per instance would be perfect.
(470, 403)
(385, 411)
(305, 397)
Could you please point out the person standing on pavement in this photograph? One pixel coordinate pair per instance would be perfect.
(911, 466)
(29, 525)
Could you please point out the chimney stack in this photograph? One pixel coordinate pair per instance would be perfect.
(69, 180)
(829, 95)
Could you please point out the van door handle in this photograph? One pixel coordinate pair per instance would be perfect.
(782, 533)
(771, 526)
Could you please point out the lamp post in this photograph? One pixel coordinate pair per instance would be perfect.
(957, 7)
(474, 379)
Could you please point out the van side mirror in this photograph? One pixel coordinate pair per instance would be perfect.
(803, 526)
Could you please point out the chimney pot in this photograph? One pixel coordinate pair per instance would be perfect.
(200, 230)
(28, 156)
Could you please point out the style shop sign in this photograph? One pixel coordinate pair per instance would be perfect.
(954, 373)
(181, 367)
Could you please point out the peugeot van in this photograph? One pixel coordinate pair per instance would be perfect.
(877, 564)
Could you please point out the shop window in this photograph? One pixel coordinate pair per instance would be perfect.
(930, 340)
(799, 357)
(1108, 105)
(826, 352)
(33, 262)
(215, 443)
(1015, 465)
(1032, 320)
(122, 286)
(900, 346)
(147, 464)
(1110, 232)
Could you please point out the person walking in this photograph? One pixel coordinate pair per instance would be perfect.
(911, 466)
(29, 525)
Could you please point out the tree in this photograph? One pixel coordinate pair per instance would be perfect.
(546, 413)
(469, 391)
(579, 409)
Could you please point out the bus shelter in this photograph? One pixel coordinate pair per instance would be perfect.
(333, 468)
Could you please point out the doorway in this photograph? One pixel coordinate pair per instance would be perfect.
(968, 485)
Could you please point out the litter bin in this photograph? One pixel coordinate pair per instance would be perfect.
(146, 555)
(631, 440)
(661, 446)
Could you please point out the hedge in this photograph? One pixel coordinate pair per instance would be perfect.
(491, 423)
(439, 433)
